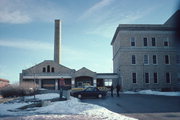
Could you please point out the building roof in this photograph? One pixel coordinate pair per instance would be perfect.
(4, 80)
(173, 19)
(106, 73)
(167, 26)
(84, 72)
(38, 69)
(50, 62)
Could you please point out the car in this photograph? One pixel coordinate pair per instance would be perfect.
(89, 92)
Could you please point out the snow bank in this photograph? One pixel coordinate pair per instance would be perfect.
(70, 107)
(74, 106)
(43, 96)
(103, 113)
(150, 92)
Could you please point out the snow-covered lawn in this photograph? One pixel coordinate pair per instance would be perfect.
(150, 92)
(60, 108)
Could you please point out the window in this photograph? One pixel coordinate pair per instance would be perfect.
(133, 41)
(44, 69)
(146, 77)
(166, 42)
(168, 78)
(80, 84)
(133, 59)
(146, 59)
(155, 77)
(178, 78)
(153, 41)
(134, 77)
(52, 69)
(154, 59)
(166, 59)
(145, 42)
(48, 68)
(178, 59)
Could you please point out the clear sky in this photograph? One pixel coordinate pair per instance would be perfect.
(88, 26)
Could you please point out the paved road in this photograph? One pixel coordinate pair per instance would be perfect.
(143, 107)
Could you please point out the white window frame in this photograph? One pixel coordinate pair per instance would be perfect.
(156, 60)
(132, 59)
(166, 40)
(154, 42)
(146, 60)
(133, 39)
(168, 59)
(146, 41)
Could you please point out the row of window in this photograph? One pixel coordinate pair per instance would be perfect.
(146, 77)
(154, 59)
(48, 69)
(145, 42)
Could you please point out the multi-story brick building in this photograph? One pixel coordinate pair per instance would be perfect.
(145, 57)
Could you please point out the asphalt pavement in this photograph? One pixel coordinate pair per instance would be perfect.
(143, 107)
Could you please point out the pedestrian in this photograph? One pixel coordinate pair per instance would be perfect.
(112, 88)
(118, 88)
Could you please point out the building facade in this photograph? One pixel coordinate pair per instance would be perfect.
(145, 56)
(48, 75)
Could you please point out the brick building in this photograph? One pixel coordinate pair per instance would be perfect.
(3, 83)
(145, 56)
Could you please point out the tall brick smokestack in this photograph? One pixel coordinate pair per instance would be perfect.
(57, 42)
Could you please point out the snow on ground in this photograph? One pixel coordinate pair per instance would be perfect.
(69, 108)
(150, 92)
(43, 96)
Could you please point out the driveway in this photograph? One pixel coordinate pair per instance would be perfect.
(143, 107)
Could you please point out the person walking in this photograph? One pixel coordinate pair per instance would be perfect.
(118, 88)
(112, 88)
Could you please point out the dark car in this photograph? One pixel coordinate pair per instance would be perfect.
(89, 92)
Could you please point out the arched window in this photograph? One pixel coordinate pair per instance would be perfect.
(48, 68)
(52, 69)
(44, 69)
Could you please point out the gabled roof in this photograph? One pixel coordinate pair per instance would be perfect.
(51, 63)
(84, 72)
(84, 69)
(48, 62)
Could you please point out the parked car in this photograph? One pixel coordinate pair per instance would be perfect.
(89, 92)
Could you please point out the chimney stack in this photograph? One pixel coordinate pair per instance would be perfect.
(57, 42)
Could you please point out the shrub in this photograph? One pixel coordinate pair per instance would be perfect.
(18, 90)
(11, 91)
